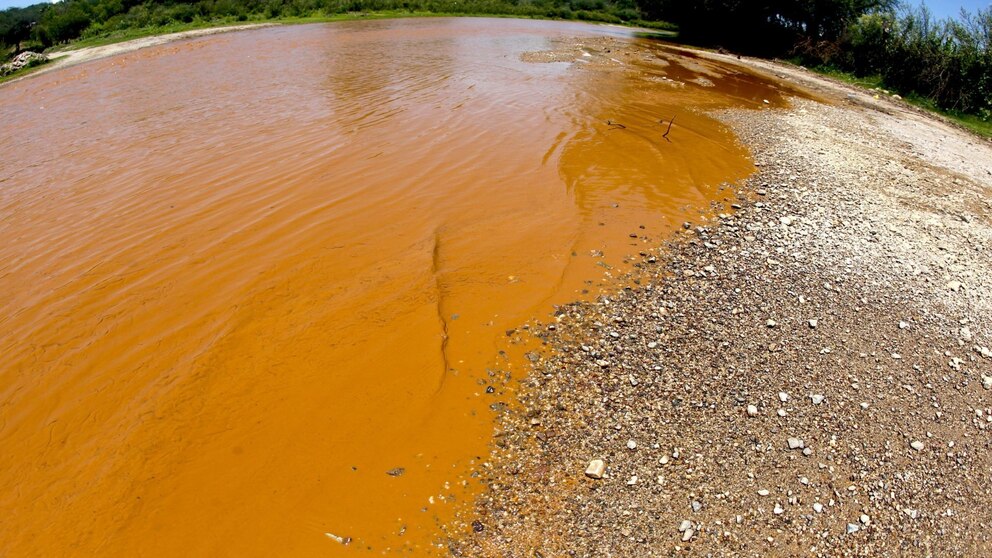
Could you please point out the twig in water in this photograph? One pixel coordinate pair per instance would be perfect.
(670, 122)
(617, 124)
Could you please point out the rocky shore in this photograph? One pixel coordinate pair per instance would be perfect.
(808, 373)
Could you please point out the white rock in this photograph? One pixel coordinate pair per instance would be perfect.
(864, 519)
(631, 444)
(783, 397)
(763, 492)
(771, 323)
(596, 469)
(954, 285)
(796, 443)
(752, 411)
(817, 398)
(687, 534)
(987, 382)
(917, 445)
(813, 323)
(778, 509)
(818, 507)
(685, 526)
(781, 412)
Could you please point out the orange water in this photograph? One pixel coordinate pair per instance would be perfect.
(244, 276)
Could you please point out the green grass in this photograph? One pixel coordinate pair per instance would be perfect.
(969, 121)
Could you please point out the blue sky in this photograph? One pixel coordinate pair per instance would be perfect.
(940, 8)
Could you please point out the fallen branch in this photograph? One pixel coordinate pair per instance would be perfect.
(670, 122)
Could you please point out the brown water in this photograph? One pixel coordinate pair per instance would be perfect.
(244, 276)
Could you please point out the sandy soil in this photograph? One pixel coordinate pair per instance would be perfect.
(808, 373)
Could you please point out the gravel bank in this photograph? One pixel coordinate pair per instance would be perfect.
(801, 375)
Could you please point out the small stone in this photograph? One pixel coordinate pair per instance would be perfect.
(783, 397)
(652, 345)
(763, 492)
(771, 323)
(818, 507)
(864, 406)
(596, 469)
(631, 444)
(812, 323)
(398, 471)
(696, 506)
(685, 526)
(864, 519)
(778, 509)
(795, 443)
(917, 445)
(987, 382)
(807, 452)
(817, 399)
(632, 480)
(781, 412)
(903, 325)
(752, 411)
(853, 528)
(687, 535)
(954, 285)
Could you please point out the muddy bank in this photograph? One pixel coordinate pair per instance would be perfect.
(808, 373)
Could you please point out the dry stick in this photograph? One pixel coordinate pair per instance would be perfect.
(670, 122)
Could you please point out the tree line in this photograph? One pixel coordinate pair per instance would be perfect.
(948, 62)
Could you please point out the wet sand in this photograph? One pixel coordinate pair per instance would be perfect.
(257, 284)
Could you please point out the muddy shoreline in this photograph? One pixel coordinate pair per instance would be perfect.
(808, 373)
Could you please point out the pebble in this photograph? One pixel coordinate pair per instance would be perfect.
(796, 443)
(818, 507)
(763, 492)
(917, 445)
(631, 444)
(781, 412)
(685, 526)
(817, 399)
(987, 382)
(771, 323)
(864, 519)
(752, 411)
(813, 323)
(783, 397)
(853, 528)
(687, 534)
(596, 469)
(778, 509)
(696, 506)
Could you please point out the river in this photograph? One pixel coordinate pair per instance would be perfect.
(256, 286)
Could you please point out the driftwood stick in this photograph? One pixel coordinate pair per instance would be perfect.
(670, 122)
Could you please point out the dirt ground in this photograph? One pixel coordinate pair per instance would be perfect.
(808, 373)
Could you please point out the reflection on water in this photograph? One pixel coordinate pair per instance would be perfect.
(246, 276)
